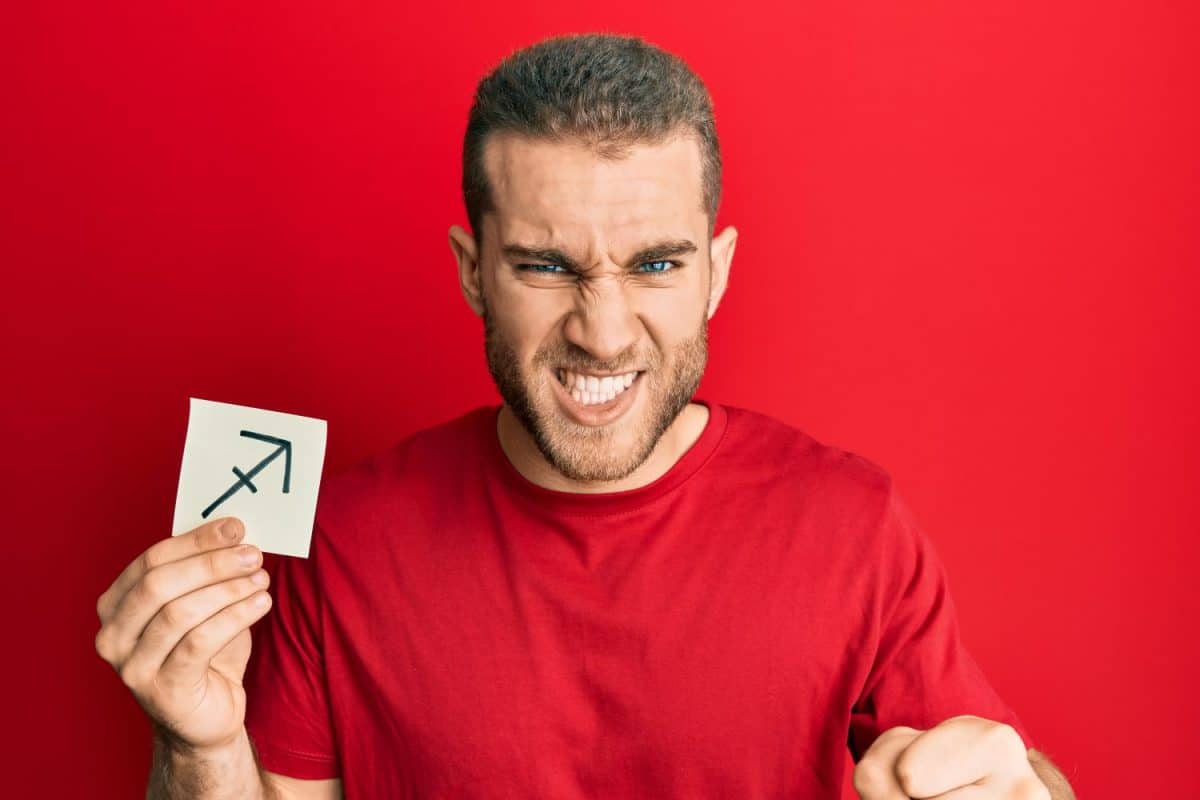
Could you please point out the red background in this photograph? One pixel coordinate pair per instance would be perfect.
(968, 252)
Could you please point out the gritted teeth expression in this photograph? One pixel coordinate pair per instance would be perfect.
(589, 389)
(594, 291)
(643, 403)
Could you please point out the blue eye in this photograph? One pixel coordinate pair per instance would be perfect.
(662, 266)
(654, 268)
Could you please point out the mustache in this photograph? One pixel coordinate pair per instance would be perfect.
(618, 367)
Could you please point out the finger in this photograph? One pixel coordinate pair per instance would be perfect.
(875, 774)
(208, 536)
(972, 791)
(162, 585)
(957, 752)
(1026, 788)
(188, 662)
(179, 616)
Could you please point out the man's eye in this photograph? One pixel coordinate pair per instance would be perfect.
(543, 268)
(658, 266)
(651, 267)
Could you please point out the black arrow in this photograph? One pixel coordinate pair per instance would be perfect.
(243, 478)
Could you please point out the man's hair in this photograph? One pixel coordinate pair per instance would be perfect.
(606, 90)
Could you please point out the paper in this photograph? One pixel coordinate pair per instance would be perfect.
(263, 467)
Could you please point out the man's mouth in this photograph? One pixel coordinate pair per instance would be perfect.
(588, 389)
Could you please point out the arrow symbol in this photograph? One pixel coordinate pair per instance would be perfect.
(243, 478)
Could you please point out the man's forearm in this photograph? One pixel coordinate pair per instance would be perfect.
(228, 773)
(1049, 774)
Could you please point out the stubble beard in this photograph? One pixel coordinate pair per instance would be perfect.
(580, 452)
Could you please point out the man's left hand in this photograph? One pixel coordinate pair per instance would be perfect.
(961, 758)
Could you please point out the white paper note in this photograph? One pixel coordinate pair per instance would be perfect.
(263, 467)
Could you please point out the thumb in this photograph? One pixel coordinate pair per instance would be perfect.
(231, 660)
(875, 774)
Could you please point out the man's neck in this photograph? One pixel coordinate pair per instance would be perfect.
(522, 451)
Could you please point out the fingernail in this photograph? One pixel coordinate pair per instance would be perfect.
(229, 529)
(249, 556)
(259, 579)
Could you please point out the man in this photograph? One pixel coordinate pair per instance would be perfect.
(600, 588)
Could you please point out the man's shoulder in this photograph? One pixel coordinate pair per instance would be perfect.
(840, 496)
(786, 451)
(425, 459)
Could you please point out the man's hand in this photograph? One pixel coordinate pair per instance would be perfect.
(962, 758)
(176, 626)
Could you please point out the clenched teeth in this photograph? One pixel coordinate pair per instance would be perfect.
(590, 390)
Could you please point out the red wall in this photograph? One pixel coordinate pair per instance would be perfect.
(968, 252)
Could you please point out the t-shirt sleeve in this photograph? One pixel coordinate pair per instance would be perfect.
(921, 674)
(287, 698)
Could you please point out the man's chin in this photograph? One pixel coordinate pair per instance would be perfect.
(594, 471)
(592, 453)
(585, 452)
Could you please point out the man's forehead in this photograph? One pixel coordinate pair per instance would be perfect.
(552, 193)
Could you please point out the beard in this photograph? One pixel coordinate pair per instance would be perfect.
(581, 452)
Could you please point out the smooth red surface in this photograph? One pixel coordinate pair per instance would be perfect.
(969, 249)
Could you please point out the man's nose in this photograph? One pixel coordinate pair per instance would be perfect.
(603, 322)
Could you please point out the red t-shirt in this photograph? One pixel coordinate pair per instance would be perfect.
(725, 631)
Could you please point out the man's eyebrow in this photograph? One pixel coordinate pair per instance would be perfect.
(655, 252)
(665, 249)
(538, 254)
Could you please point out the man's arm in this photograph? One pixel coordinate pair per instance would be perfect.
(231, 772)
(225, 773)
(1050, 775)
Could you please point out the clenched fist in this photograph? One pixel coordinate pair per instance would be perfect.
(962, 758)
(175, 626)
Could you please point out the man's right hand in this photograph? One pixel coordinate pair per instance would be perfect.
(176, 626)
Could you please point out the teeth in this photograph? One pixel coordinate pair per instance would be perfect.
(589, 390)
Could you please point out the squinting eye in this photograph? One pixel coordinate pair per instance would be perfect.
(543, 268)
(662, 265)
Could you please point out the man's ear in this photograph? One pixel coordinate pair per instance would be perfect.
(721, 255)
(470, 279)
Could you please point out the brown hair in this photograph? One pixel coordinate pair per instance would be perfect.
(607, 90)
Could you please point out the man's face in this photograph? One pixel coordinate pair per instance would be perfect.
(595, 282)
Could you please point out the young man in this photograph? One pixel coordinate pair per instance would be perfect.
(601, 588)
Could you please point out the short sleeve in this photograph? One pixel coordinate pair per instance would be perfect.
(921, 674)
(287, 698)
